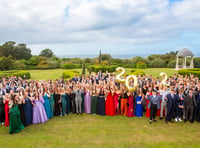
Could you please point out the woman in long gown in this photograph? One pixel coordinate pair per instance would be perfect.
(130, 105)
(149, 93)
(101, 102)
(20, 106)
(93, 101)
(116, 100)
(64, 103)
(110, 111)
(124, 101)
(15, 117)
(67, 99)
(139, 107)
(28, 108)
(87, 101)
(46, 103)
(2, 110)
(51, 100)
(6, 102)
(39, 113)
(56, 100)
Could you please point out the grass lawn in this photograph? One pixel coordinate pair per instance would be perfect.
(103, 131)
(57, 73)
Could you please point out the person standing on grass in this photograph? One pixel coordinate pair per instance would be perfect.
(15, 117)
(179, 106)
(190, 103)
(164, 92)
(78, 99)
(154, 105)
(170, 98)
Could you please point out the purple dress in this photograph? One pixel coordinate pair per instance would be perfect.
(87, 103)
(39, 113)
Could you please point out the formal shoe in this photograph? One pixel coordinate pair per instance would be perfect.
(150, 121)
(161, 118)
(191, 121)
(176, 119)
(171, 121)
(166, 121)
(81, 113)
(154, 120)
(185, 120)
(76, 113)
(180, 120)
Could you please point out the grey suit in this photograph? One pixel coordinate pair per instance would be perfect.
(189, 104)
(78, 99)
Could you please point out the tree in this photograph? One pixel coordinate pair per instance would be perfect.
(5, 62)
(46, 53)
(18, 52)
(83, 71)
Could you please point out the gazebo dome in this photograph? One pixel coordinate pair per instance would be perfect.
(185, 52)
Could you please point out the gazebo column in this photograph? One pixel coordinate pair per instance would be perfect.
(185, 64)
(191, 63)
(177, 62)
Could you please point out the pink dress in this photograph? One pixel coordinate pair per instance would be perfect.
(130, 107)
(116, 101)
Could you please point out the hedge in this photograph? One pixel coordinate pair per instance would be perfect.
(136, 72)
(194, 71)
(103, 68)
(71, 66)
(15, 73)
(69, 74)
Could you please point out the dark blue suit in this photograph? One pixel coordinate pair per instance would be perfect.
(179, 111)
(170, 106)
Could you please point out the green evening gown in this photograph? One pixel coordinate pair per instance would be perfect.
(15, 120)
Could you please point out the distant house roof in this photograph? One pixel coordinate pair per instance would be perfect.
(185, 52)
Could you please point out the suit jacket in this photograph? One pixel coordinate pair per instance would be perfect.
(78, 93)
(171, 100)
(187, 100)
(157, 98)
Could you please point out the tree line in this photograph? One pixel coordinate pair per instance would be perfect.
(18, 56)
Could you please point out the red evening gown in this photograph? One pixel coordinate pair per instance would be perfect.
(6, 112)
(110, 105)
(130, 107)
(148, 109)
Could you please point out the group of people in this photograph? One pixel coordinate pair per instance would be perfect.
(24, 102)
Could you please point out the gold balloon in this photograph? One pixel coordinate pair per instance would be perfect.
(118, 77)
(131, 89)
(164, 75)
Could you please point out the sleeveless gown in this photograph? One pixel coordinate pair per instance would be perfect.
(28, 111)
(51, 100)
(116, 101)
(101, 104)
(39, 113)
(138, 110)
(110, 111)
(47, 106)
(130, 107)
(15, 120)
(87, 103)
(147, 109)
(2, 111)
(6, 112)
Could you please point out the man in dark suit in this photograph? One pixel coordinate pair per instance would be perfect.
(170, 105)
(190, 103)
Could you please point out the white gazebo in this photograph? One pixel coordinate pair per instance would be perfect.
(184, 53)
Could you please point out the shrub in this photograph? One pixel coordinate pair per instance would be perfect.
(42, 65)
(196, 62)
(136, 72)
(103, 68)
(158, 63)
(141, 65)
(71, 66)
(15, 73)
(194, 71)
(19, 65)
(172, 64)
(68, 74)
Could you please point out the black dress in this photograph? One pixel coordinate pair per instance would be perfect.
(57, 105)
(73, 105)
(21, 109)
(2, 111)
(101, 104)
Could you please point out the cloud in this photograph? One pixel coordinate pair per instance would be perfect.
(128, 22)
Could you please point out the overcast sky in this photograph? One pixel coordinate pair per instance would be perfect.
(116, 26)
